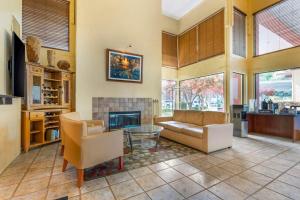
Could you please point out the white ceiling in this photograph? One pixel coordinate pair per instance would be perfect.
(178, 8)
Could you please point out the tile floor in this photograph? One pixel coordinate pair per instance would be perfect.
(259, 168)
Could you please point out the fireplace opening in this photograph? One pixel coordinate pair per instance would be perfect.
(119, 120)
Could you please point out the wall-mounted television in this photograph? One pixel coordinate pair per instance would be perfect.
(17, 67)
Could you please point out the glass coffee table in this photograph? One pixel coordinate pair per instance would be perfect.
(142, 132)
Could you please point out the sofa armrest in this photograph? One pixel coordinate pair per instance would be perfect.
(94, 123)
(101, 147)
(217, 136)
(162, 119)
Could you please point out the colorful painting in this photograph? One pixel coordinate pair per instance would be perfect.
(123, 66)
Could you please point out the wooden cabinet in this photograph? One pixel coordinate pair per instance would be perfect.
(35, 86)
(169, 50)
(66, 89)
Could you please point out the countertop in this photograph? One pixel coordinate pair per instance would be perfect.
(280, 114)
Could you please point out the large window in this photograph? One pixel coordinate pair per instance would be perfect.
(168, 96)
(237, 89)
(277, 27)
(280, 86)
(239, 33)
(48, 20)
(204, 93)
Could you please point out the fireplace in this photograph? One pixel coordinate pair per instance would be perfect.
(119, 120)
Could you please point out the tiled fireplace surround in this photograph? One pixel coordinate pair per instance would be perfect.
(103, 105)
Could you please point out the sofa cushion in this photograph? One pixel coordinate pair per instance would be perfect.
(179, 115)
(194, 117)
(213, 118)
(177, 127)
(193, 131)
(164, 124)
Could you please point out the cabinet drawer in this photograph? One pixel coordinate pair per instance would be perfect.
(36, 115)
(36, 70)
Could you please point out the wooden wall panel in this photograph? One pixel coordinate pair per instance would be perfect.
(210, 37)
(193, 45)
(169, 50)
(219, 40)
(202, 38)
(184, 50)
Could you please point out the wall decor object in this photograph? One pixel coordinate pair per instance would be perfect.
(63, 64)
(33, 48)
(50, 58)
(123, 66)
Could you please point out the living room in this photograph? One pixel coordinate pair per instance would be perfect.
(141, 100)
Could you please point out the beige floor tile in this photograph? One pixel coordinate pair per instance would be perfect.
(170, 175)
(190, 158)
(118, 178)
(256, 177)
(150, 181)
(158, 166)
(219, 173)
(34, 185)
(58, 169)
(243, 163)
(38, 173)
(15, 170)
(7, 191)
(174, 162)
(92, 185)
(164, 193)
(75, 198)
(140, 172)
(126, 189)
(213, 160)
(291, 180)
(235, 169)
(243, 185)
(66, 189)
(200, 164)
(66, 177)
(266, 194)
(285, 189)
(142, 196)
(42, 164)
(204, 179)
(278, 164)
(295, 171)
(103, 194)
(186, 169)
(266, 171)
(205, 195)
(227, 192)
(32, 196)
(11, 179)
(186, 187)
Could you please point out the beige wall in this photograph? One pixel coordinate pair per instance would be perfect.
(10, 132)
(116, 24)
(8, 9)
(169, 73)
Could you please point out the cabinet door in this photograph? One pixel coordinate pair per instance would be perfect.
(36, 89)
(66, 89)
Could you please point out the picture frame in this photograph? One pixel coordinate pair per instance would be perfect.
(124, 66)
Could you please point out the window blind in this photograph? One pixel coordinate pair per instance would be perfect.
(277, 27)
(239, 33)
(47, 20)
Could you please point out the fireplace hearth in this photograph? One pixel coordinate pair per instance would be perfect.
(119, 120)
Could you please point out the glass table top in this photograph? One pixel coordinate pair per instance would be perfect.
(146, 129)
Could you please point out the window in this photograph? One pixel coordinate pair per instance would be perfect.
(47, 20)
(204, 93)
(239, 33)
(237, 89)
(280, 86)
(277, 27)
(168, 97)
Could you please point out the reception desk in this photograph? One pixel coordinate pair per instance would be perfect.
(281, 125)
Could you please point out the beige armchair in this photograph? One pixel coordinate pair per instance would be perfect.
(94, 126)
(85, 150)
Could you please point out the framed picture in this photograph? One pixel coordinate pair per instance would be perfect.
(122, 66)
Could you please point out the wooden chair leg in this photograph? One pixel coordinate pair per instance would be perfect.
(121, 163)
(80, 177)
(62, 150)
(65, 165)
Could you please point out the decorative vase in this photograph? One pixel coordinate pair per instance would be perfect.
(63, 64)
(33, 48)
(50, 58)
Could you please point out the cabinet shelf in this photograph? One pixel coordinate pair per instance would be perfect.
(53, 116)
(51, 122)
(50, 127)
(47, 97)
(51, 90)
(35, 132)
(52, 80)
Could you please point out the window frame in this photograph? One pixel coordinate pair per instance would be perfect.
(243, 86)
(255, 36)
(174, 100)
(218, 73)
(69, 30)
(245, 15)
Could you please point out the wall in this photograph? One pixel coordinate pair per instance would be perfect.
(10, 129)
(134, 22)
(8, 9)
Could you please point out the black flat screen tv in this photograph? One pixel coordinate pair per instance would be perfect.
(18, 67)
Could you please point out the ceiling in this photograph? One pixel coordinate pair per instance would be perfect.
(178, 8)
